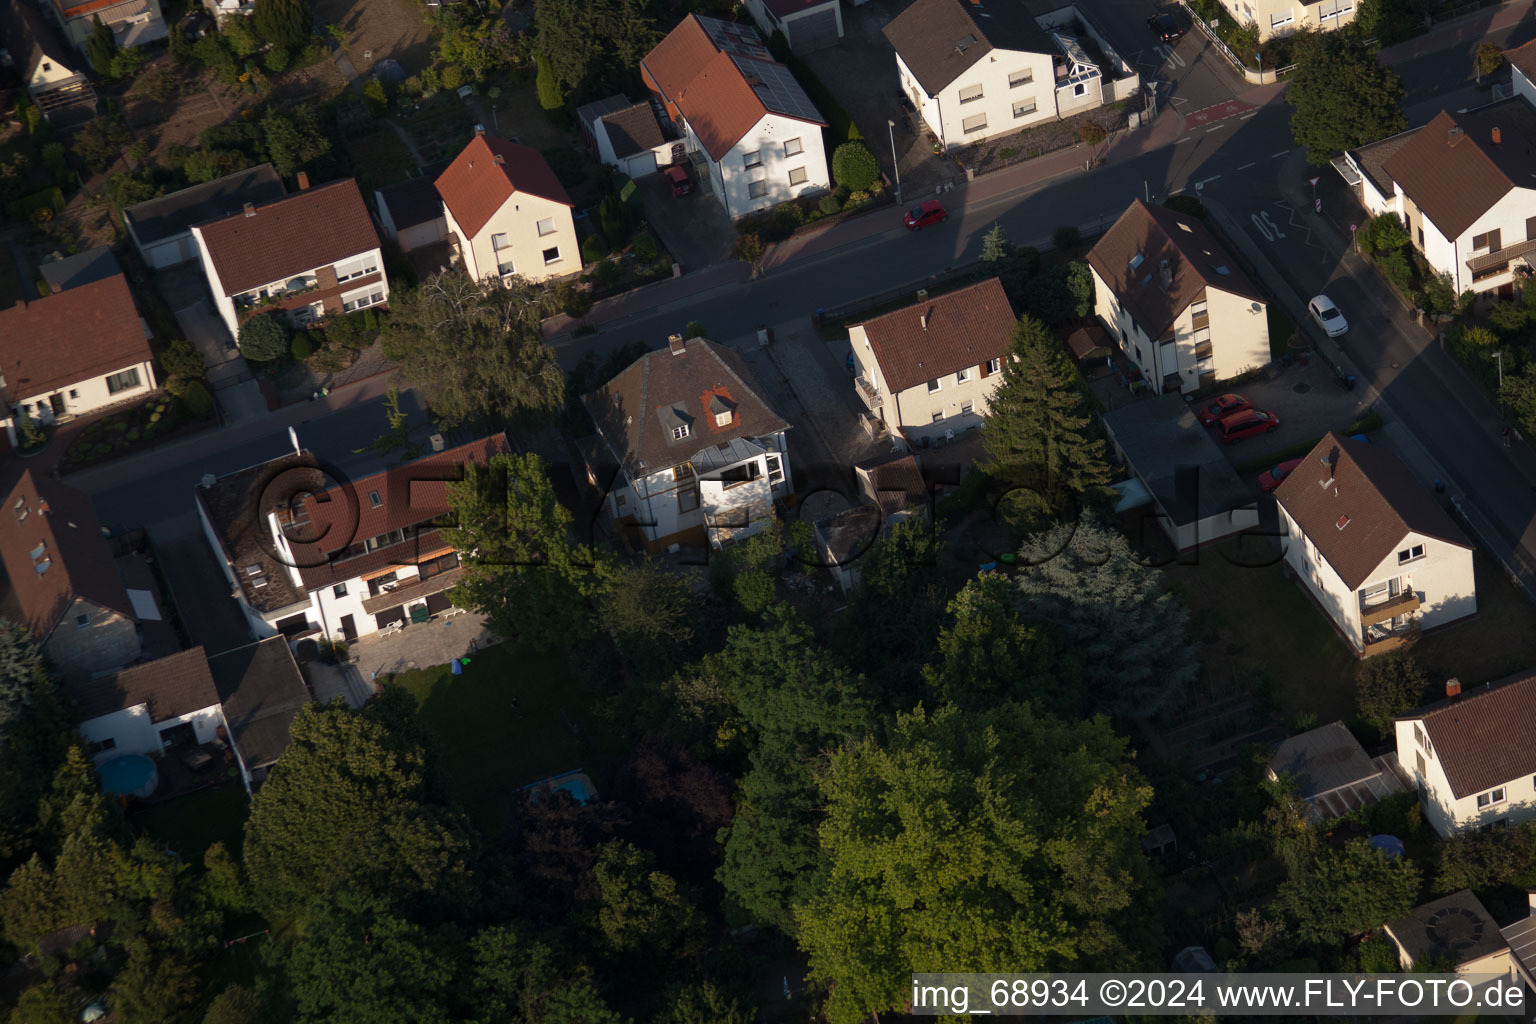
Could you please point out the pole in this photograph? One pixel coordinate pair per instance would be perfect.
(895, 163)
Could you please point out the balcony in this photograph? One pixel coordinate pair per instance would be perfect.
(868, 392)
(1383, 644)
(1391, 608)
(412, 590)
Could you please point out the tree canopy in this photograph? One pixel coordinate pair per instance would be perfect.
(474, 347)
(283, 23)
(1344, 892)
(1341, 96)
(970, 839)
(591, 45)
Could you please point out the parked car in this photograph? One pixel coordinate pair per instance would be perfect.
(1164, 27)
(1327, 316)
(1225, 405)
(678, 180)
(1246, 424)
(928, 212)
(1270, 478)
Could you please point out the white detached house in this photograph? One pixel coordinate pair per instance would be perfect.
(698, 454)
(1372, 547)
(1473, 755)
(752, 134)
(975, 70)
(1463, 186)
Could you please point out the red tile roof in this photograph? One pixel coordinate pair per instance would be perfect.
(407, 495)
(1196, 261)
(69, 337)
(1523, 58)
(288, 236)
(486, 174)
(1485, 737)
(1375, 497)
(964, 328)
(175, 685)
(723, 90)
(57, 523)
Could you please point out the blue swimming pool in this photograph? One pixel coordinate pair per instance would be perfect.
(577, 783)
(131, 775)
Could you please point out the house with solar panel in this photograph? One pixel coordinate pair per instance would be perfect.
(751, 133)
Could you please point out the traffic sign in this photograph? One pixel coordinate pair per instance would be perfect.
(1314, 181)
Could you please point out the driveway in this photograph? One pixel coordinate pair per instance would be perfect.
(1308, 402)
(198, 587)
(861, 72)
(694, 228)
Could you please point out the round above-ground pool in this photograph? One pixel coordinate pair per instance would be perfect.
(131, 775)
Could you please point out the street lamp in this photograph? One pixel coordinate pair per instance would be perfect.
(895, 163)
(1499, 358)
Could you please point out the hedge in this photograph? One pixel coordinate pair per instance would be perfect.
(48, 198)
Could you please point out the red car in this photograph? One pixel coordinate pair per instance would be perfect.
(1249, 423)
(1270, 478)
(1225, 405)
(677, 181)
(929, 212)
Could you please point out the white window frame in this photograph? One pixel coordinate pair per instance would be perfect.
(757, 189)
(680, 431)
(752, 159)
(499, 241)
(775, 469)
(975, 123)
(506, 268)
(373, 295)
(804, 177)
(1410, 554)
(995, 365)
(1023, 108)
(938, 417)
(793, 147)
(961, 376)
(935, 386)
(1492, 798)
(1080, 89)
(967, 407)
(969, 96)
(351, 270)
(556, 258)
(723, 419)
(115, 383)
(547, 227)
(1279, 20)
(1019, 78)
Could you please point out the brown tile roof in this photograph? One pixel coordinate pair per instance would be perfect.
(896, 479)
(930, 36)
(633, 130)
(291, 235)
(57, 523)
(1524, 58)
(721, 78)
(1373, 494)
(1373, 156)
(633, 411)
(236, 508)
(1452, 170)
(173, 686)
(69, 337)
(1486, 737)
(407, 496)
(487, 172)
(964, 328)
(1196, 261)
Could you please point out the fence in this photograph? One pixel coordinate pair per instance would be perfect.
(1256, 77)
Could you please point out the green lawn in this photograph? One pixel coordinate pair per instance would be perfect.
(381, 158)
(490, 750)
(518, 115)
(191, 824)
(1498, 641)
(1254, 623)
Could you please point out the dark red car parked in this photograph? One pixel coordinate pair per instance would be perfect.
(1250, 423)
(1270, 478)
(1224, 405)
(929, 212)
(678, 181)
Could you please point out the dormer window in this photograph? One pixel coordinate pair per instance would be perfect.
(723, 419)
(21, 509)
(680, 431)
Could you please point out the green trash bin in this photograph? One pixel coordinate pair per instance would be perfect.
(420, 613)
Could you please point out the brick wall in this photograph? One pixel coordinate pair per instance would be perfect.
(108, 643)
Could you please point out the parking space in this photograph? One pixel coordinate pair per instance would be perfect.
(694, 228)
(1308, 402)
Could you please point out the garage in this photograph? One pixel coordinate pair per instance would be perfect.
(816, 29)
(161, 228)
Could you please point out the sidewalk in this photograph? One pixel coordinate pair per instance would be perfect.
(652, 298)
(1469, 29)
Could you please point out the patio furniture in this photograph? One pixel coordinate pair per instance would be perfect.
(197, 760)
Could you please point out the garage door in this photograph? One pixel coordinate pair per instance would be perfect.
(814, 31)
(186, 247)
(639, 165)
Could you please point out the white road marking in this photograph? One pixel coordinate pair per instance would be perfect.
(1207, 181)
(1184, 139)
(1175, 191)
(1268, 228)
(1216, 127)
(1276, 156)
(1246, 166)
(1247, 116)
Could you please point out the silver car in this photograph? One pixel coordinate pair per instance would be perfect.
(1327, 316)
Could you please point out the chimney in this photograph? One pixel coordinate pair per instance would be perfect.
(499, 160)
(922, 295)
(1453, 687)
(303, 180)
(1498, 136)
(924, 319)
(1530, 896)
(250, 209)
(676, 343)
(42, 505)
(479, 129)
(1453, 136)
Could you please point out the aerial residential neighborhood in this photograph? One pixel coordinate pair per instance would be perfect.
(633, 512)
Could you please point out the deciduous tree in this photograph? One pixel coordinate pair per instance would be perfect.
(283, 23)
(592, 44)
(642, 914)
(294, 137)
(1387, 686)
(474, 347)
(1345, 892)
(1017, 836)
(1341, 96)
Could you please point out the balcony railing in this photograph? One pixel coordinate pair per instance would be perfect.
(868, 392)
(1391, 642)
(1402, 604)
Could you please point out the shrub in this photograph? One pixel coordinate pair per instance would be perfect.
(180, 359)
(695, 329)
(1508, 318)
(376, 98)
(608, 272)
(754, 588)
(1489, 59)
(453, 76)
(301, 347)
(1382, 234)
(829, 205)
(198, 401)
(1008, 152)
(1091, 133)
(613, 215)
(1397, 268)
(1066, 238)
(646, 249)
(787, 217)
(276, 61)
(854, 167)
(749, 248)
(264, 338)
(575, 302)
(592, 249)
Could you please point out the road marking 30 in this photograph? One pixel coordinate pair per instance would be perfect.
(1268, 228)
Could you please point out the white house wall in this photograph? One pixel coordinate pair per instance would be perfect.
(1278, 18)
(83, 397)
(1239, 336)
(1508, 216)
(1442, 579)
(946, 114)
(1446, 814)
(637, 165)
(768, 139)
(518, 218)
(133, 732)
(1339, 603)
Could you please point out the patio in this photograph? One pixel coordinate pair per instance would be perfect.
(439, 640)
